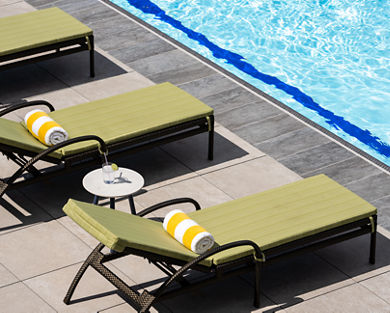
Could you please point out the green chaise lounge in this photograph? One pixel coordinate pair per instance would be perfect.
(40, 35)
(124, 123)
(250, 232)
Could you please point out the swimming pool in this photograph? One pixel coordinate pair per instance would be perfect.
(329, 60)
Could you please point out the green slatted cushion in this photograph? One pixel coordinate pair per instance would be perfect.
(129, 115)
(37, 29)
(269, 218)
(114, 119)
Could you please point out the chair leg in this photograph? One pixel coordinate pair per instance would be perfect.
(81, 272)
(211, 139)
(92, 56)
(373, 243)
(257, 285)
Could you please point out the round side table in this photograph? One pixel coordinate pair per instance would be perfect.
(128, 183)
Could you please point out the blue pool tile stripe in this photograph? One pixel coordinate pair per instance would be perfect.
(338, 122)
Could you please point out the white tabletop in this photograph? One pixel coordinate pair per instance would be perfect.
(130, 182)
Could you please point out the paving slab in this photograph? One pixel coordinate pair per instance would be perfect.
(198, 188)
(229, 150)
(173, 59)
(93, 293)
(242, 116)
(112, 86)
(17, 298)
(231, 295)
(18, 212)
(371, 187)
(39, 249)
(183, 74)
(8, 2)
(208, 86)
(25, 81)
(354, 298)
(300, 278)
(227, 100)
(292, 142)
(316, 158)
(378, 285)
(6, 277)
(351, 257)
(251, 177)
(135, 50)
(269, 128)
(383, 206)
(73, 69)
(9, 8)
(345, 171)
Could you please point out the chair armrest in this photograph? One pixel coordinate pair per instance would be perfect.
(17, 106)
(20, 171)
(168, 203)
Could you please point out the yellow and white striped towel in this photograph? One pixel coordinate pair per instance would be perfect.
(44, 128)
(188, 232)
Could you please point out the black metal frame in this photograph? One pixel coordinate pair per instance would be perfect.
(58, 49)
(143, 302)
(79, 160)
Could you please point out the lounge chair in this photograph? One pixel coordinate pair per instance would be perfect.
(128, 122)
(250, 232)
(40, 35)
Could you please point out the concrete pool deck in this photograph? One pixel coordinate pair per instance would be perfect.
(254, 141)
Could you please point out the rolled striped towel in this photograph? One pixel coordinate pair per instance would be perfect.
(188, 232)
(44, 128)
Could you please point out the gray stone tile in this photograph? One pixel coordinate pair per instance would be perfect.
(17, 298)
(34, 80)
(170, 60)
(7, 2)
(6, 277)
(351, 257)
(74, 69)
(295, 279)
(94, 12)
(354, 298)
(39, 249)
(272, 127)
(38, 3)
(383, 206)
(139, 50)
(110, 40)
(18, 212)
(198, 188)
(371, 187)
(207, 86)
(15, 8)
(347, 171)
(316, 158)
(230, 99)
(94, 292)
(183, 75)
(247, 114)
(379, 285)
(193, 151)
(251, 177)
(230, 295)
(292, 142)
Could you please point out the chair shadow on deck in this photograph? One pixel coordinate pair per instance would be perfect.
(42, 201)
(52, 75)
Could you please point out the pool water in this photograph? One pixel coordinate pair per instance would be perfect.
(329, 60)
